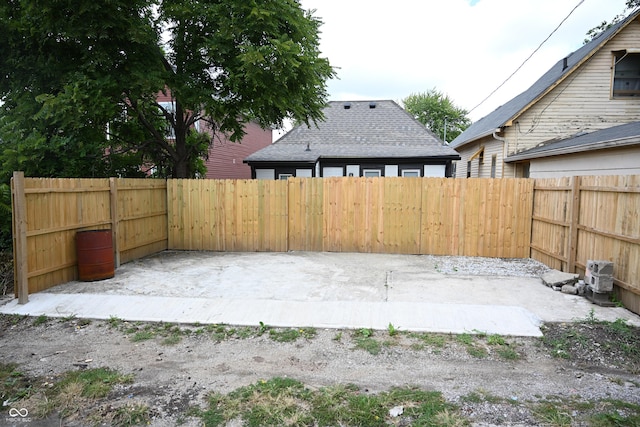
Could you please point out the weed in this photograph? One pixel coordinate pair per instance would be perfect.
(364, 332)
(496, 340)
(508, 353)
(477, 352)
(172, 339)
(131, 415)
(14, 385)
(591, 317)
(480, 396)
(433, 340)
(338, 336)
(95, 382)
(262, 328)
(466, 339)
(40, 320)
(68, 318)
(553, 414)
(285, 335)
(245, 332)
(142, 336)
(368, 344)
(393, 331)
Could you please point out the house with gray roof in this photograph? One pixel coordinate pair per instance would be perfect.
(595, 88)
(359, 139)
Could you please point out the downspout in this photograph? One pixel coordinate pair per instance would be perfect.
(504, 149)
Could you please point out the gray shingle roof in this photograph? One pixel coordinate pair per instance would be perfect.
(386, 131)
(613, 137)
(503, 114)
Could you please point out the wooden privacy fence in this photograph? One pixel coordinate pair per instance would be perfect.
(474, 217)
(47, 214)
(576, 219)
(560, 222)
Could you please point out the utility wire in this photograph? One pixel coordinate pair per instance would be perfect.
(525, 61)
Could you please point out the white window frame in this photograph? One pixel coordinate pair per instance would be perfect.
(626, 72)
(371, 173)
(411, 173)
(285, 175)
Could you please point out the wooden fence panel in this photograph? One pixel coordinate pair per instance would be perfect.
(576, 219)
(140, 217)
(56, 209)
(227, 215)
(609, 229)
(551, 222)
(305, 222)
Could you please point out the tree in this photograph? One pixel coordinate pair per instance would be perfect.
(438, 113)
(80, 80)
(596, 31)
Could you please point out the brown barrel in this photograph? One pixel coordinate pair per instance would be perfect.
(94, 249)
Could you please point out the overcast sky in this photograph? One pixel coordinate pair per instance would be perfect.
(388, 49)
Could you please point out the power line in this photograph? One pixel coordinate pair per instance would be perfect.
(529, 57)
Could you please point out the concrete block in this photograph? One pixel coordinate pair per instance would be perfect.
(600, 267)
(569, 289)
(555, 278)
(599, 283)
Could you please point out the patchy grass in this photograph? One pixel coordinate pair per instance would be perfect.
(292, 334)
(72, 395)
(364, 340)
(284, 401)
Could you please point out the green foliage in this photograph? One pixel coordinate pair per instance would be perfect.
(604, 25)
(433, 109)
(80, 81)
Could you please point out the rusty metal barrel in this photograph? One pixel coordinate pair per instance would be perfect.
(94, 250)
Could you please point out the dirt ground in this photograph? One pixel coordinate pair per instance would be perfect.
(172, 376)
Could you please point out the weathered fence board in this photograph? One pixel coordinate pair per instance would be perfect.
(576, 219)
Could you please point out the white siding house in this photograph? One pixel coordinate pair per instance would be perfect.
(594, 88)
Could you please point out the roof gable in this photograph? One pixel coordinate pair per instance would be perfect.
(563, 68)
(357, 129)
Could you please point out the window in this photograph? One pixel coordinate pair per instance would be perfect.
(626, 74)
(411, 173)
(371, 173)
(494, 161)
(469, 169)
(170, 108)
(284, 175)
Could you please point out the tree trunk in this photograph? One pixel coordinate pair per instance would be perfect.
(182, 162)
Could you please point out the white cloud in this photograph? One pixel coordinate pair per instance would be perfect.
(465, 48)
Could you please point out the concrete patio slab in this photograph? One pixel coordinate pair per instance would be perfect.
(323, 290)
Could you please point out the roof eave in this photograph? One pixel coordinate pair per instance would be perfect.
(593, 146)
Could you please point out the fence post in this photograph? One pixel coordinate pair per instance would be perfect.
(573, 227)
(21, 281)
(113, 199)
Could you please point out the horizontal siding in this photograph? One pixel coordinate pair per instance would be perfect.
(580, 103)
(481, 170)
(226, 157)
(602, 162)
